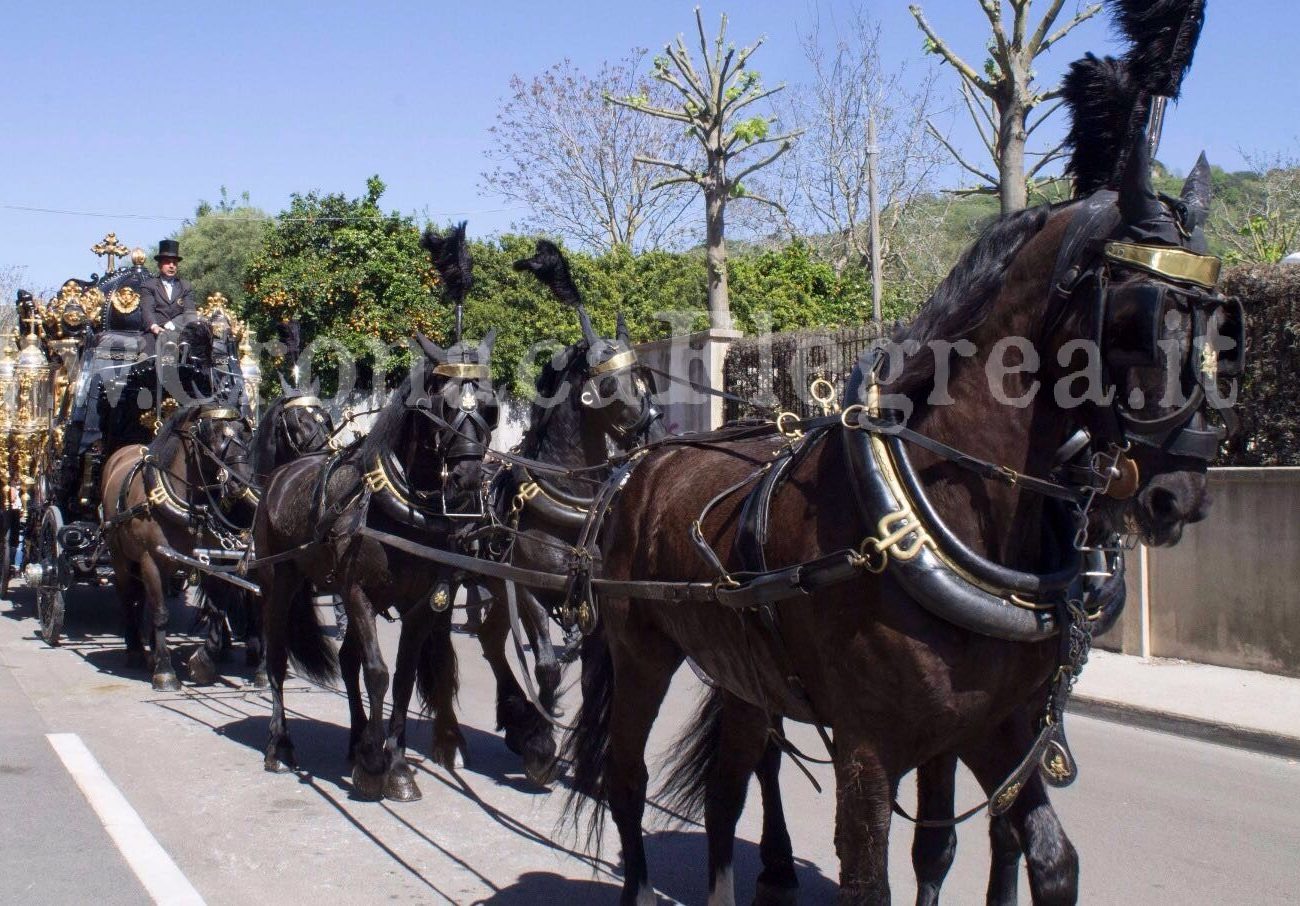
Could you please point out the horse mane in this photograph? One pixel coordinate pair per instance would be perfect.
(264, 436)
(965, 298)
(168, 441)
(387, 428)
(562, 417)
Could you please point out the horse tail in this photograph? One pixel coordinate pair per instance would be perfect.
(437, 677)
(312, 654)
(682, 793)
(586, 745)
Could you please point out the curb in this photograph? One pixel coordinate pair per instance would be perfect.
(1263, 741)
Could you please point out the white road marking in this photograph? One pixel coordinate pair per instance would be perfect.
(150, 862)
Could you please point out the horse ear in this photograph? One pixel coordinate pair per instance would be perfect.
(587, 332)
(1198, 190)
(285, 389)
(431, 349)
(486, 344)
(621, 332)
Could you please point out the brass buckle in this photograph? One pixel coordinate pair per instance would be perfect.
(794, 433)
(827, 398)
(893, 530)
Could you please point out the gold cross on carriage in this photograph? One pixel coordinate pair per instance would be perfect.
(109, 247)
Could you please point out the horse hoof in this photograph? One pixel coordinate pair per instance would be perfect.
(400, 786)
(202, 671)
(261, 680)
(540, 772)
(766, 894)
(274, 765)
(136, 659)
(366, 786)
(166, 682)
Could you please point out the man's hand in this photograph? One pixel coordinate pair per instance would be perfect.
(155, 329)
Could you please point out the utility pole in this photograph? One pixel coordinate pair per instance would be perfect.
(873, 151)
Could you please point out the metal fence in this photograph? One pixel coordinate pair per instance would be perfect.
(777, 369)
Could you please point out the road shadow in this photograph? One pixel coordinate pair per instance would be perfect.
(678, 863)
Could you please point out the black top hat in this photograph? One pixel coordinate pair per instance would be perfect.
(24, 296)
(168, 248)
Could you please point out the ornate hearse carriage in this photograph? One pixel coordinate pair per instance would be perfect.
(83, 382)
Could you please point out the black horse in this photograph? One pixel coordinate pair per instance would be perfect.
(591, 397)
(1099, 92)
(418, 476)
(914, 659)
(191, 487)
(295, 424)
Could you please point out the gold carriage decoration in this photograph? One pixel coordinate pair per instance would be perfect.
(26, 413)
(37, 375)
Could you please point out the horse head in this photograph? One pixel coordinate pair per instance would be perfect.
(452, 389)
(602, 376)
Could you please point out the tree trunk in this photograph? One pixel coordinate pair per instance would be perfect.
(715, 204)
(1011, 165)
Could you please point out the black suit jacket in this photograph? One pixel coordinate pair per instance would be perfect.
(156, 307)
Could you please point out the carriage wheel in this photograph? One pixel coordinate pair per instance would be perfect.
(49, 595)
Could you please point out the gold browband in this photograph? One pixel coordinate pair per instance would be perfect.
(221, 413)
(1176, 264)
(463, 371)
(303, 401)
(625, 359)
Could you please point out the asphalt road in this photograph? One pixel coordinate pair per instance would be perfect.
(1157, 819)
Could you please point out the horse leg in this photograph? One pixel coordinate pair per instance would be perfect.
(777, 883)
(642, 673)
(372, 757)
(254, 646)
(439, 684)
(864, 791)
(284, 585)
(399, 782)
(547, 668)
(350, 668)
(933, 848)
(202, 663)
(1031, 823)
(129, 591)
(164, 674)
(528, 733)
(742, 743)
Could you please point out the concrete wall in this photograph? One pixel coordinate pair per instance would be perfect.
(1229, 592)
(696, 357)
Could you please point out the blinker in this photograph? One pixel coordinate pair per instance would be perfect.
(1133, 325)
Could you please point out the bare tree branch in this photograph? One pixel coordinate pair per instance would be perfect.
(957, 156)
(941, 47)
(1039, 44)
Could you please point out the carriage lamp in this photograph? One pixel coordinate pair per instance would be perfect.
(32, 410)
(8, 408)
(252, 373)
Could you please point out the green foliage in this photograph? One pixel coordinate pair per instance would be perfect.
(1268, 405)
(219, 245)
(347, 271)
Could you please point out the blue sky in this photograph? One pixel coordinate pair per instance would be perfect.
(139, 111)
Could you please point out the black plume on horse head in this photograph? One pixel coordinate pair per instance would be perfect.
(1109, 99)
(450, 256)
(1162, 36)
(550, 267)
